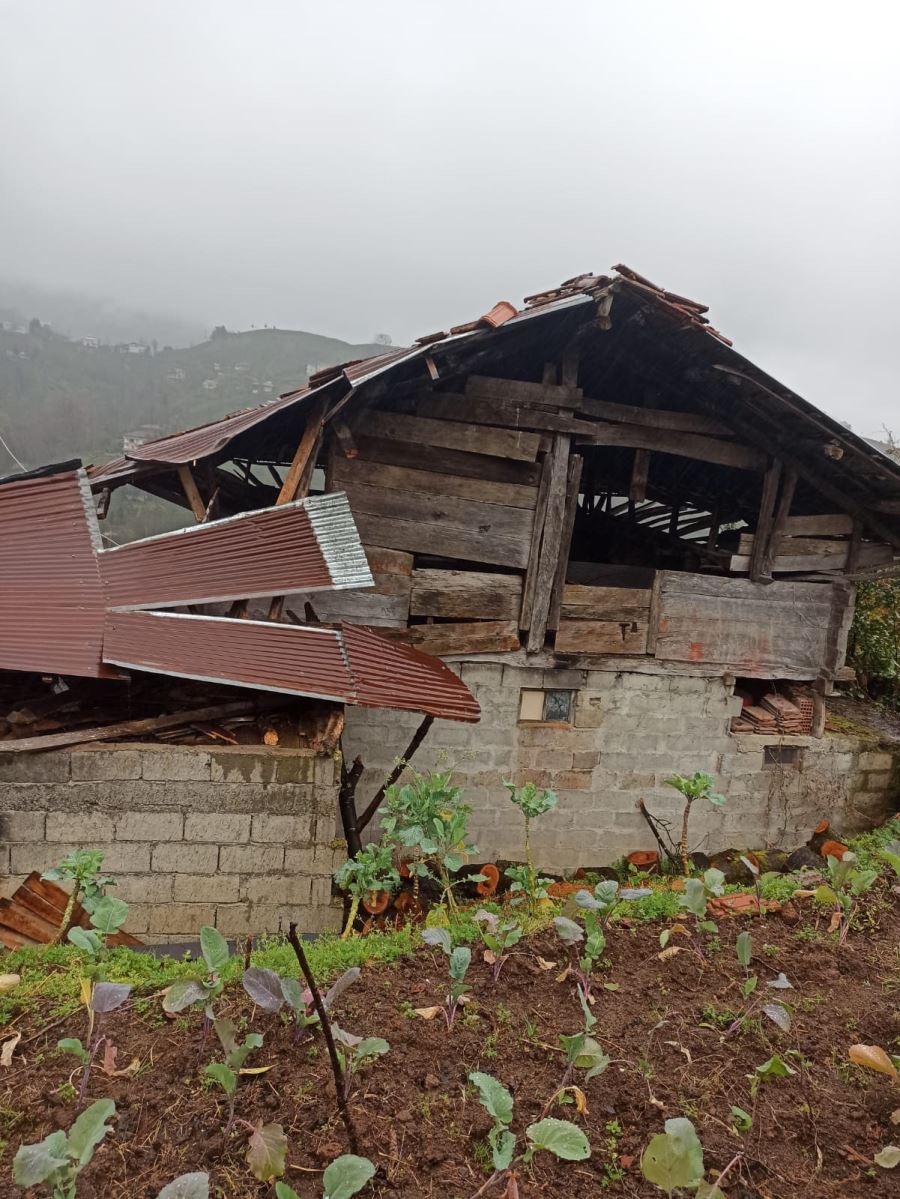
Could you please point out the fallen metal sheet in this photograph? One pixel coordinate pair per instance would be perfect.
(347, 665)
(52, 606)
(308, 545)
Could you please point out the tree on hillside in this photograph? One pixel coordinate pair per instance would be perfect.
(219, 332)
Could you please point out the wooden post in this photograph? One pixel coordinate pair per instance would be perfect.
(763, 532)
(296, 484)
(573, 485)
(548, 556)
(640, 469)
(192, 492)
(788, 487)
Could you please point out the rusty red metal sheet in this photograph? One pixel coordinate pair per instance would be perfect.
(52, 606)
(309, 545)
(391, 675)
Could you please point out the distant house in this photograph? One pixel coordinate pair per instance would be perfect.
(90, 343)
(175, 375)
(240, 367)
(210, 384)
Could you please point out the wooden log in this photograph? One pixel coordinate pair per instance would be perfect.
(515, 391)
(765, 520)
(453, 435)
(655, 418)
(430, 483)
(573, 484)
(601, 637)
(137, 728)
(461, 595)
(548, 556)
(605, 603)
(640, 470)
(192, 493)
(419, 456)
(683, 445)
(482, 636)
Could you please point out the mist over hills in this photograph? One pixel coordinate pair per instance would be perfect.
(77, 377)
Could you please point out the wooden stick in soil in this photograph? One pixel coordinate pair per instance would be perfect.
(325, 1026)
(417, 739)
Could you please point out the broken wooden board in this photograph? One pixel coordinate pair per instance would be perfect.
(461, 594)
(605, 603)
(452, 435)
(465, 465)
(811, 554)
(601, 637)
(780, 628)
(348, 472)
(483, 636)
(684, 445)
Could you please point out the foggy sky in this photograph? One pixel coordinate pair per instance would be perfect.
(356, 168)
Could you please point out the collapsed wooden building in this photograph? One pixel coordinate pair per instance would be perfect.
(636, 548)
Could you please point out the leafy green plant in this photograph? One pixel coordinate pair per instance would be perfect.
(107, 916)
(692, 787)
(697, 893)
(186, 1186)
(57, 1161)
(427, 815)
(81, 868)
(891, 854)
(266, 1151)
(459, 959)
(371, 870)
(874, 643)
(202, 988)
(272, 992)
(776, 1012)
(226, 1072)
(499, 936)
(673, 1160)
(559, 1137)
(345, 1177)
(104, 997)
(774, 1067)
(354, 1053)
(848, 881)
(582, 1050)
(532, 803)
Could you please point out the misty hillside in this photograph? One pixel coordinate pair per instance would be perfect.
(60, 398)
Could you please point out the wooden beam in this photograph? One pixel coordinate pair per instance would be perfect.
(296, 483)
(464, 594)
(573, 485)
(550, 542)
(537, 532)
(430, 483)
(765, 521)
(835, 524)
(480, 636)
(192, 492)
(601, 637)
(655, 418)
(889, 507)
(785, 499)
(444, 405)
(666, 441)
(582, 602)
(640, 470)
(514, 391)
(451, 434)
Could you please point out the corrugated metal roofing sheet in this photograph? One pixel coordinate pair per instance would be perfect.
(52, 606)
(309, 545)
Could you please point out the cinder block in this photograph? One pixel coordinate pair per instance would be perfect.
(22, 826)
(144, 888)
(186, 859)
(250, 859)
(301, 860)
(91, 765)
(234, 920)
(573, 780)
(218, 827)
(297, 769)
(85, 828)
(49, 767)
(185, 763)
(327, 770)
(208, 888)
(878, 780)
(278, 889)
(285, 830)
(237, 767)
(182, 920)
(876, 760)
(320, 893)
(149, 826)
(118, 858)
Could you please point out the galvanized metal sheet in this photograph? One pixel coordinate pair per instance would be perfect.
(51, 599)
(310, 545)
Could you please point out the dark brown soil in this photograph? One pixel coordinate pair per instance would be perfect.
(814, 1135)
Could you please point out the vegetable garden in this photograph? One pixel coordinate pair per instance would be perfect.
(629, 1036)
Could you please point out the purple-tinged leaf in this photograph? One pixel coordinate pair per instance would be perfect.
(264, 988)
(266, 1152)
(340, 985)
(108, 996)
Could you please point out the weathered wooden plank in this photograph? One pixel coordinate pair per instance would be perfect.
(464, 594)
(455, 462)
(764, 521)
(601, 637)
(797, 546)
(446, 406)
(684, 445)
(192, 493)
(427, 482)
(385, 561)
(782, 509)
(482, 636)
(605, 603)
(452, 435)
(358, 607)
(834, 524)
(534, 557)
(548, 556)
(573, 484)
(445, 538)
(296, 483)
(515, 391)
(830, 555)
(653, 614)
(655, 418)
(640, 470)
(751, 628)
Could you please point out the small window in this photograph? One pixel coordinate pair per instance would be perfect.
(549, 707)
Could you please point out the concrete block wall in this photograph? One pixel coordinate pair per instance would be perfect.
(629, 733)
(240, 837)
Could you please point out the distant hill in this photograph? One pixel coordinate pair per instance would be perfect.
(60, 398)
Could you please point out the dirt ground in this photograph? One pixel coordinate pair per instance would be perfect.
(813, 1135)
